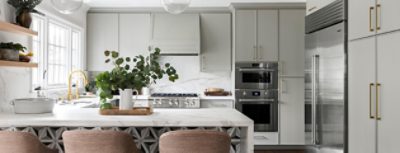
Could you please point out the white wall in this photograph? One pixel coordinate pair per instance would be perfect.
(16, 82)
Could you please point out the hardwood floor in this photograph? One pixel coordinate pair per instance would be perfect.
(279, 151)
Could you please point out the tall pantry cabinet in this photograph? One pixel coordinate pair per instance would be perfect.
(374, 81)
(276, 34)
(257, 32)
(370, 17)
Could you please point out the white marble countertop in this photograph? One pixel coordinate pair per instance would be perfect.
(74, 116)
(204, 97)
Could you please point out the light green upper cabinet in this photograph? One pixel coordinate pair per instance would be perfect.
(367, 18)
(134, 34)
(256, 37)
(291, 42)
(102, 34)
(216, 43)
(129, 34)
(245, 36)
(361, 21)
(267, 35)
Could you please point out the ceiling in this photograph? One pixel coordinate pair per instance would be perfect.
(195, 3)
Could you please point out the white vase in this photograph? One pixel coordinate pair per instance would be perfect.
(146, 91)
(125, 100)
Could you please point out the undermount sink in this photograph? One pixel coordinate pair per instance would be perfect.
(33, 105)
(82, 103)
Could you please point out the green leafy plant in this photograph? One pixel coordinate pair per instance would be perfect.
(131, 73)
(29, 5)
(13, 46)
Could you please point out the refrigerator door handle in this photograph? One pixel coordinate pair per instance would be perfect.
(315, 65)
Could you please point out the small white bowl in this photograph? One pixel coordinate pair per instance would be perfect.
(33, 105)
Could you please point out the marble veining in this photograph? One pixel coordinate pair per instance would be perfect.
(14, 83)
(74, 116)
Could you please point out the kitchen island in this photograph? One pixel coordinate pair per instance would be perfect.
(145, 130)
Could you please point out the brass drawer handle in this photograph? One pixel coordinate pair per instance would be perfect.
(370, 19)
(370, 101)
(378, 117)
(378, 12)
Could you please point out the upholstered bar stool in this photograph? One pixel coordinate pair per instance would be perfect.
(195, 141)
(22, 142)
(97, 141)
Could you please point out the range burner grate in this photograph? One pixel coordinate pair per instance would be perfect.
(174, 95)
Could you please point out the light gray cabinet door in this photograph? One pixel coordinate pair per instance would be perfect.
(267, 35)
(291, 42)
(292, 111)
(215, 42)
(102, 34)
(245, 35)
(361, 105)
(361, 18)
(134, 34)
(388, 101)
(388, 13)
(217, 103)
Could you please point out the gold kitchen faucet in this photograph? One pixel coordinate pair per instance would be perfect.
(85, 79)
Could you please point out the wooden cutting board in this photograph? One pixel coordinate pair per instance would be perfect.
(134, 111)
(217, 93)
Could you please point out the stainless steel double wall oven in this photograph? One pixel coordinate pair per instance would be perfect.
(257, 93)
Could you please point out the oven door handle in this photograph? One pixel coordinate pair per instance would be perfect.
(258, 100)
(256, 70)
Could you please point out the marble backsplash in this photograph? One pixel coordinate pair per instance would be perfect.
(14, 83)
(191, 79)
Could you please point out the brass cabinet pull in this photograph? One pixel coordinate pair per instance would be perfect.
(370, 19)
(370, 100)
(377, 13)
(378, 117)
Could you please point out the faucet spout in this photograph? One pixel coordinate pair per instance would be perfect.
(85, 79)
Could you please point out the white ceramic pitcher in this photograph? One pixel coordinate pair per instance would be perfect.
(125, 101)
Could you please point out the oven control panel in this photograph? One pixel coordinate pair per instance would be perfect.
(256, 93)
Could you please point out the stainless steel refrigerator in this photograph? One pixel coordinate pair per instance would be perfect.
(326, 80)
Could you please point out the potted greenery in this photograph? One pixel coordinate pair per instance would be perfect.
(23, 9)
(131, 73)
(10, 51)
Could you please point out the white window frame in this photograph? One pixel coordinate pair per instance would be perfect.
(43, 60)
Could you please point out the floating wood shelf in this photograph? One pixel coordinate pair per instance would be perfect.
(18, 64)
(9, 27)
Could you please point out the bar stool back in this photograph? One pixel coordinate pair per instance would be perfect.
(22, 142)
(195, 141)
(97, 141)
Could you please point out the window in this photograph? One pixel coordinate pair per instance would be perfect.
(57, 49)
(37, 49)
(76, 50)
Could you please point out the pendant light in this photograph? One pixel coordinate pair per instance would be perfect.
(175, 6)
(67, 6)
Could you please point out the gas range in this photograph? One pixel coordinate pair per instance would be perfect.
(175, 100)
